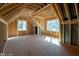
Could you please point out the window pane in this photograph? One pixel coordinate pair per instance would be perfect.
(22, 25)
(53, 25)
(49, 27)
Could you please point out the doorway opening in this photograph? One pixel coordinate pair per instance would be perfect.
(36, 30)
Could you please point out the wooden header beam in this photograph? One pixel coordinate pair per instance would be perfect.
(36, 22)
(42, 9)
(3, 21)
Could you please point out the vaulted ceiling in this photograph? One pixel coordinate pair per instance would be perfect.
(48, 11)
(68, 12)
(11, 11)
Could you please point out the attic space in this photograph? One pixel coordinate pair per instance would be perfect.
(39, 29)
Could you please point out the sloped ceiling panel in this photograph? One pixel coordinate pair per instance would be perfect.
(15, 14)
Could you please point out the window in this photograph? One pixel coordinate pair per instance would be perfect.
(22, 25)
(53, 25)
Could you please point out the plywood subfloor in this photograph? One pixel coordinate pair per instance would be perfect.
(37, 45)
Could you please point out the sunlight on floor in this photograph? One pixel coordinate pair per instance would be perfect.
(47, 38)
(11, 38)
(53, 40)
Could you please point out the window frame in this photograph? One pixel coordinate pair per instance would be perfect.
(52, 21)
(22, 20)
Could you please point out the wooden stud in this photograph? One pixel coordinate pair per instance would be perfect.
(77, 21)
(78, 34)
(63, 34)
(61, 17)
(30, 20)
(69, 16)
(37, 23)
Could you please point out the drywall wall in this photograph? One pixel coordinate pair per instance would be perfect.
(3, 35)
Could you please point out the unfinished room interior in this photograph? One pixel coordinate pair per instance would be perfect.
(39, 29)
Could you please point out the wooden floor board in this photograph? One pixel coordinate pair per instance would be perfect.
(38, 45)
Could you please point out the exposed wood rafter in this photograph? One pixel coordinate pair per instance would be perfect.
(59, 12)
(12, 11)
(3, 21)
(4, 5)
(41, 9)
(35, 5)
(43, 4)
(76, 10)
(14, 14)
(36, 22)
(67, 11)
(8, 9)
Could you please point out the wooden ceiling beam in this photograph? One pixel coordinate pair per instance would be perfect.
(1, 4)
(11, 12)
(3, 21)
(36, 22)
(30, 7)
(56, 11)
(35, 5)
(67, 10)
(42, 4)
(30, 19)
(5, 5)
(15, 14)
(76, 8)
(6, 13)
(42, 9)
(6, 10)
(59, 12)
(48, 12)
